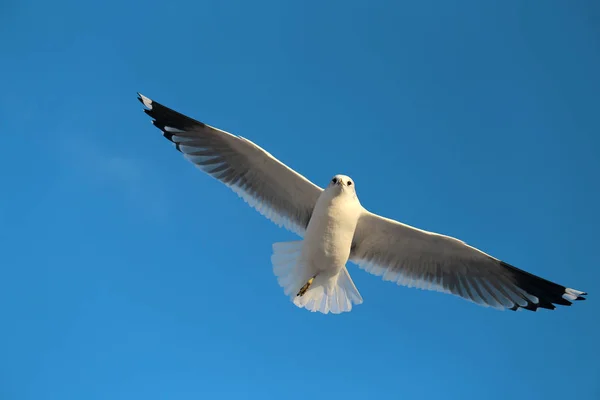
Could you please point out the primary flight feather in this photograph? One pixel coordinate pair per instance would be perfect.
(336, 229)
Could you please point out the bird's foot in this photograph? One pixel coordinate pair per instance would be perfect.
(304, 288)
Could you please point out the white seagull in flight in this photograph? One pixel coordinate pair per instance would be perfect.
(336, 229)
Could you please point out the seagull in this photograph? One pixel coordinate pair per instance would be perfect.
(335, 228)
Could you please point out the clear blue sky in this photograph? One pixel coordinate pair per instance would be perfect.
(126, 273)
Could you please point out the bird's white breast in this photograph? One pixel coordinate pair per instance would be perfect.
(329, 234)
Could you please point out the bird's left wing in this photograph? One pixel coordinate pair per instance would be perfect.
(426, 260)
(275, 190)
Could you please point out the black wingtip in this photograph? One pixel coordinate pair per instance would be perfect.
(549, 294)
(167, 119)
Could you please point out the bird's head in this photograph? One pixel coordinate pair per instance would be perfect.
(342, 184)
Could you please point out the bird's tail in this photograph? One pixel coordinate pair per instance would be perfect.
(334, 294)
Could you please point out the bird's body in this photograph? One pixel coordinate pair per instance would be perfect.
(336, 228)
(324, 253)
(330, 231)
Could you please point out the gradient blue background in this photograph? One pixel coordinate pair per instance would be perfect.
(125, 273)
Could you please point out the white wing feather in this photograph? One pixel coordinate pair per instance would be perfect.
(273, 189)
(426, 260)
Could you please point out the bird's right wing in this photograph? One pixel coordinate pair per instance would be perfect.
(273, 189)
(426, 260)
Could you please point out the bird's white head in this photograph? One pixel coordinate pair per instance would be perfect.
(342, 184)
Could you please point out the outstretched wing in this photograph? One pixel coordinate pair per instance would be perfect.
(426, 260)
(273, 189)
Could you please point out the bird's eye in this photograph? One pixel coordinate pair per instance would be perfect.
(349, 183)
(334, 180)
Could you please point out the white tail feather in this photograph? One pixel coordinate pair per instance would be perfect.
(334, 294)
(286, 267)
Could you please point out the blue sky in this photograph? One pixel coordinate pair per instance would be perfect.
(125, 273)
